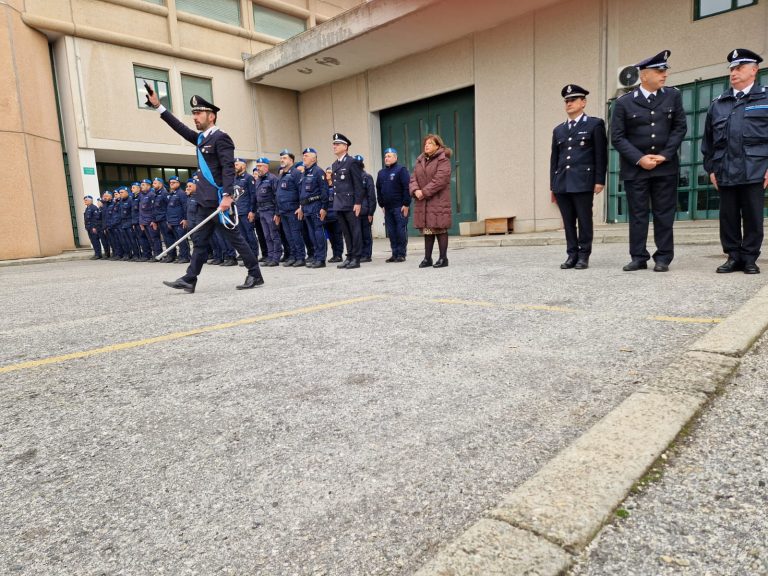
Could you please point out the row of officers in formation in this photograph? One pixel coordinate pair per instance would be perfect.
(647, 127)
(287, 218)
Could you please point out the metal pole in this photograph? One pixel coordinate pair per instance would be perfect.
(187, 235)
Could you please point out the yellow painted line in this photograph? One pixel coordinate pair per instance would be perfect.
(493, 305)
(184, 334)
(683, 319)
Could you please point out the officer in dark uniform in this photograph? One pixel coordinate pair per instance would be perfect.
(265, 206)
(735, 150)
(260, 234)
(577, 168)
(161, 217)
(348, 198)
(147, 222)
(138, 239)
(216, 160)
(394, 198)
(176, 216)
(313, 200)
(288, 208)
(367, 212)
(331, 222)
(113, 224)
(244, 205)
(92, 220)
(126, 221)
(647, 128)
(106, 203)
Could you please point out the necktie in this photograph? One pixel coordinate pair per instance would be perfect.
(651, 98)
(571, 124)
(199, 138)
(739, 95)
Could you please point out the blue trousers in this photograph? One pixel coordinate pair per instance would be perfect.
(335, 236)
(104, 237)
(114, 242)
(154, 238)
(125, 241)
(397, 230)
(95, 239)
(141, 238)
(249, 234)
(222, 249)
(168, 236)
(317, 236)
(292, 228)
(367, 234)
(178, 232)
(271, 235)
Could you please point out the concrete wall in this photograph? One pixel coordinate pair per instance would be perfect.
(34, 209)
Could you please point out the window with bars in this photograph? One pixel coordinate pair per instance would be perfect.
(705, 8)
(195, 86)
(157, 80)
(277, 24)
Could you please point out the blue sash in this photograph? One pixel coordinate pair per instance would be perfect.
(208, 175)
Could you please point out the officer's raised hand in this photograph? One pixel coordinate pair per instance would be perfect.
(152, 99)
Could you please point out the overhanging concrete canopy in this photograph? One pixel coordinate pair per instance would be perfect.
(376, 33)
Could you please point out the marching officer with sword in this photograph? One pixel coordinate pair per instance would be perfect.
(216, 159)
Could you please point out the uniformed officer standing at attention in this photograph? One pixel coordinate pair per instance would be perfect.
(92, 220)
(147, 222)
(647, 127)
(287, 196)
(216, 160)
(313, 206)
(176, 216)
(367, 212)
(126, 222)
(244, 205)
(393, 197)
(348, 198)
(577, 170)
(735, 150)
(265, 206)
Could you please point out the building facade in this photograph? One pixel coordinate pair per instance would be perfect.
(486, 76)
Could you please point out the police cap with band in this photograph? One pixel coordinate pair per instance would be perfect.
(200, 104)
(573, 91)
(743, 56)
(658, 62)
(339, 138)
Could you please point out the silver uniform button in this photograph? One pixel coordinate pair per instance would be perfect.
(653, 123)
(567, 167)
(567, 157)
(653, 135)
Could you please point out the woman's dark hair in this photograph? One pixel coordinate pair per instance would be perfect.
(437, 140)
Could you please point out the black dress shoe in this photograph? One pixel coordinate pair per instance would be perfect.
(344, 264)
(319, 264)
(250, 282)
(271, 263)
(285, 259)
(215, 262)
(183, 261)
(635, 265)
(661, 267)
(391, 259)
(568, 264)
(426, 263)
(288, 263)
(751, 268)
(441, 263)
(730, 265)
(262, 259)
(400, 259)
(582, 264)
(229, 262)
(181, 284)
(299, 264)
(366, 259)
(335, 259)
(354, 263)
(94, 257)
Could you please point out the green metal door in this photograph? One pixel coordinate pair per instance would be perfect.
(697, 199)
(452, 116)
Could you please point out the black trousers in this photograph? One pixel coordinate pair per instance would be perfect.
(202, 241)
(353, 236)
(742, 206)
(576, 209)
(660, 192)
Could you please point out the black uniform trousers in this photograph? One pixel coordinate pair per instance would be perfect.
(202, 241)
(661, 193)
(742, 204)
(576, 208)
(353, 235)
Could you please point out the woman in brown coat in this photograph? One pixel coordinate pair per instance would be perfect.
(430, 186)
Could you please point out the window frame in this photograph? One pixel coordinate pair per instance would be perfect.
(168, 103)
(255, 5)
(697, 15)
(184, 96)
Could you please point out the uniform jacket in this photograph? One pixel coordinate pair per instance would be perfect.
(368, 206)
(264, 199)
(219, 153)
(639, 128)
(92, 218)
(347, 183)
(161, 205)
(177, 207)
(113, 214)
(134, 198)
(244, 203)
(192, 216)
(313, 190)
(579, 156)
(287, 192)
(392, 186)
(104, 210)
(146, 207)
(735, 144)
(126, 212)
(433, 177)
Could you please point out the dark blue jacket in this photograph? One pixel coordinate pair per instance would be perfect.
(639, 128)
(113, 215)
(161, 205)
(177, 207)
(392, 186)
(314, 190)
(126, 212)
(264, 197)
(579, 157)
(146, 207)
(92, 218)
(735, 144)
(244, 203)
(219, 153)
(104, 210)
(193, 218)
(288, 191)
(347, 184)
(134, 198)
(331, 216)
(368, 207)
